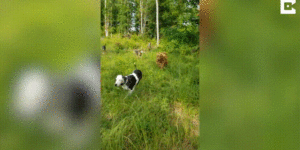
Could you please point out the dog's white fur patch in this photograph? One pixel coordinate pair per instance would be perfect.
(119, 80)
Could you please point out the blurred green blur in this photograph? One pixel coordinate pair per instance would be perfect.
(249, 78)
(48, 34)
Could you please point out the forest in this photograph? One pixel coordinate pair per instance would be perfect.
(162, 112)
(177, 20)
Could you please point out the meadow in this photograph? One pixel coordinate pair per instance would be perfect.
(162, 112)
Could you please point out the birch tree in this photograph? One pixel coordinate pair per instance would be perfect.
(141, 9)
(105, 19)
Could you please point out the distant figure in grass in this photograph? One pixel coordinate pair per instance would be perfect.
(104, 48)
(149, 46)
(138, 52)
(129, 82)
(161, 59)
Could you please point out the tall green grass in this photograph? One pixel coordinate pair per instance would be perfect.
(162, 111)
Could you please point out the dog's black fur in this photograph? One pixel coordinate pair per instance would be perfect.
(139, 74)
(130, 80)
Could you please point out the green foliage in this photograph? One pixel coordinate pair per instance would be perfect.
(171, 47)
(134, 42)
(186, 35)
(175, 47)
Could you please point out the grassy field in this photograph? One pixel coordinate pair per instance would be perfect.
(162, 112)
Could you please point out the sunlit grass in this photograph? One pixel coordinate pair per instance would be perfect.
(162, 111)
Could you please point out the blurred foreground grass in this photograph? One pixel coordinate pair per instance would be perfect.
(47, 34)
(249, 78)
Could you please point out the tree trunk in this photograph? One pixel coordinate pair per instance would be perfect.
(157, 24)
(144, 21)
(141, 6)
(100, 20)
(105, 19)
(199, 26)
(144, 17)
(128, 16)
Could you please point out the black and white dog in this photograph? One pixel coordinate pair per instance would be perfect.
(64, 104)
(129, 82)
